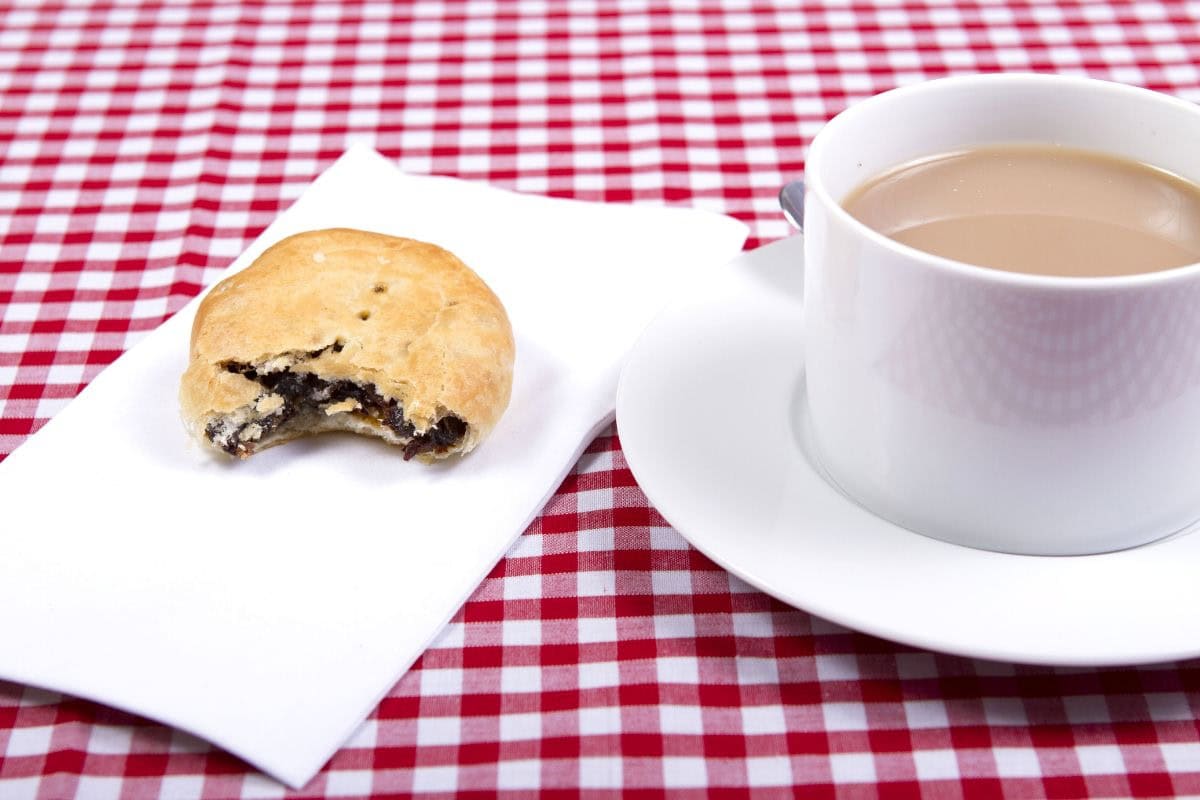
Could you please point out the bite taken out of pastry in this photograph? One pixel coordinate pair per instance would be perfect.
(349, 330)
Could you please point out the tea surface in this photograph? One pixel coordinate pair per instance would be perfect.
(1037, 209)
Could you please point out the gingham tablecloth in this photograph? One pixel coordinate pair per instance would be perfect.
(143, 145)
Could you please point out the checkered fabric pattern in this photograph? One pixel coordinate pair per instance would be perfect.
(144, 144)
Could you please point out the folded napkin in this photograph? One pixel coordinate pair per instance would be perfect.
(268, 605)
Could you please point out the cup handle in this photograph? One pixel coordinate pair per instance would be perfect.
(791, 200)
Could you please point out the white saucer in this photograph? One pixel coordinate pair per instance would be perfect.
(711, 418)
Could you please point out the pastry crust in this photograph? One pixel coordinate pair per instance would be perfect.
(406, 318)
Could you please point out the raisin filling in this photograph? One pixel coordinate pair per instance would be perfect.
(305, 391)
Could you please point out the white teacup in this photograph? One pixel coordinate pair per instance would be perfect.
(1011, 412)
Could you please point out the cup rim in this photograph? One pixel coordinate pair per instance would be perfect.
(814, 184)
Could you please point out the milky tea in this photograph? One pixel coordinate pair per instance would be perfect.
(1037, 209)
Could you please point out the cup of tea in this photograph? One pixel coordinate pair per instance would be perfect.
(1002, 311)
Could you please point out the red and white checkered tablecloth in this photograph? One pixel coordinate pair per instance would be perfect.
(144, 144)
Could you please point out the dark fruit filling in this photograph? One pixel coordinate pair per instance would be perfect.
(448, 432)
(305, 391)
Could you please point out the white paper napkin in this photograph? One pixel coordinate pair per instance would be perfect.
(268, 605)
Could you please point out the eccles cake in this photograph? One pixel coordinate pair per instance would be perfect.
(349, 330)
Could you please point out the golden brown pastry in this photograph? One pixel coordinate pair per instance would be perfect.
(344, 329)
